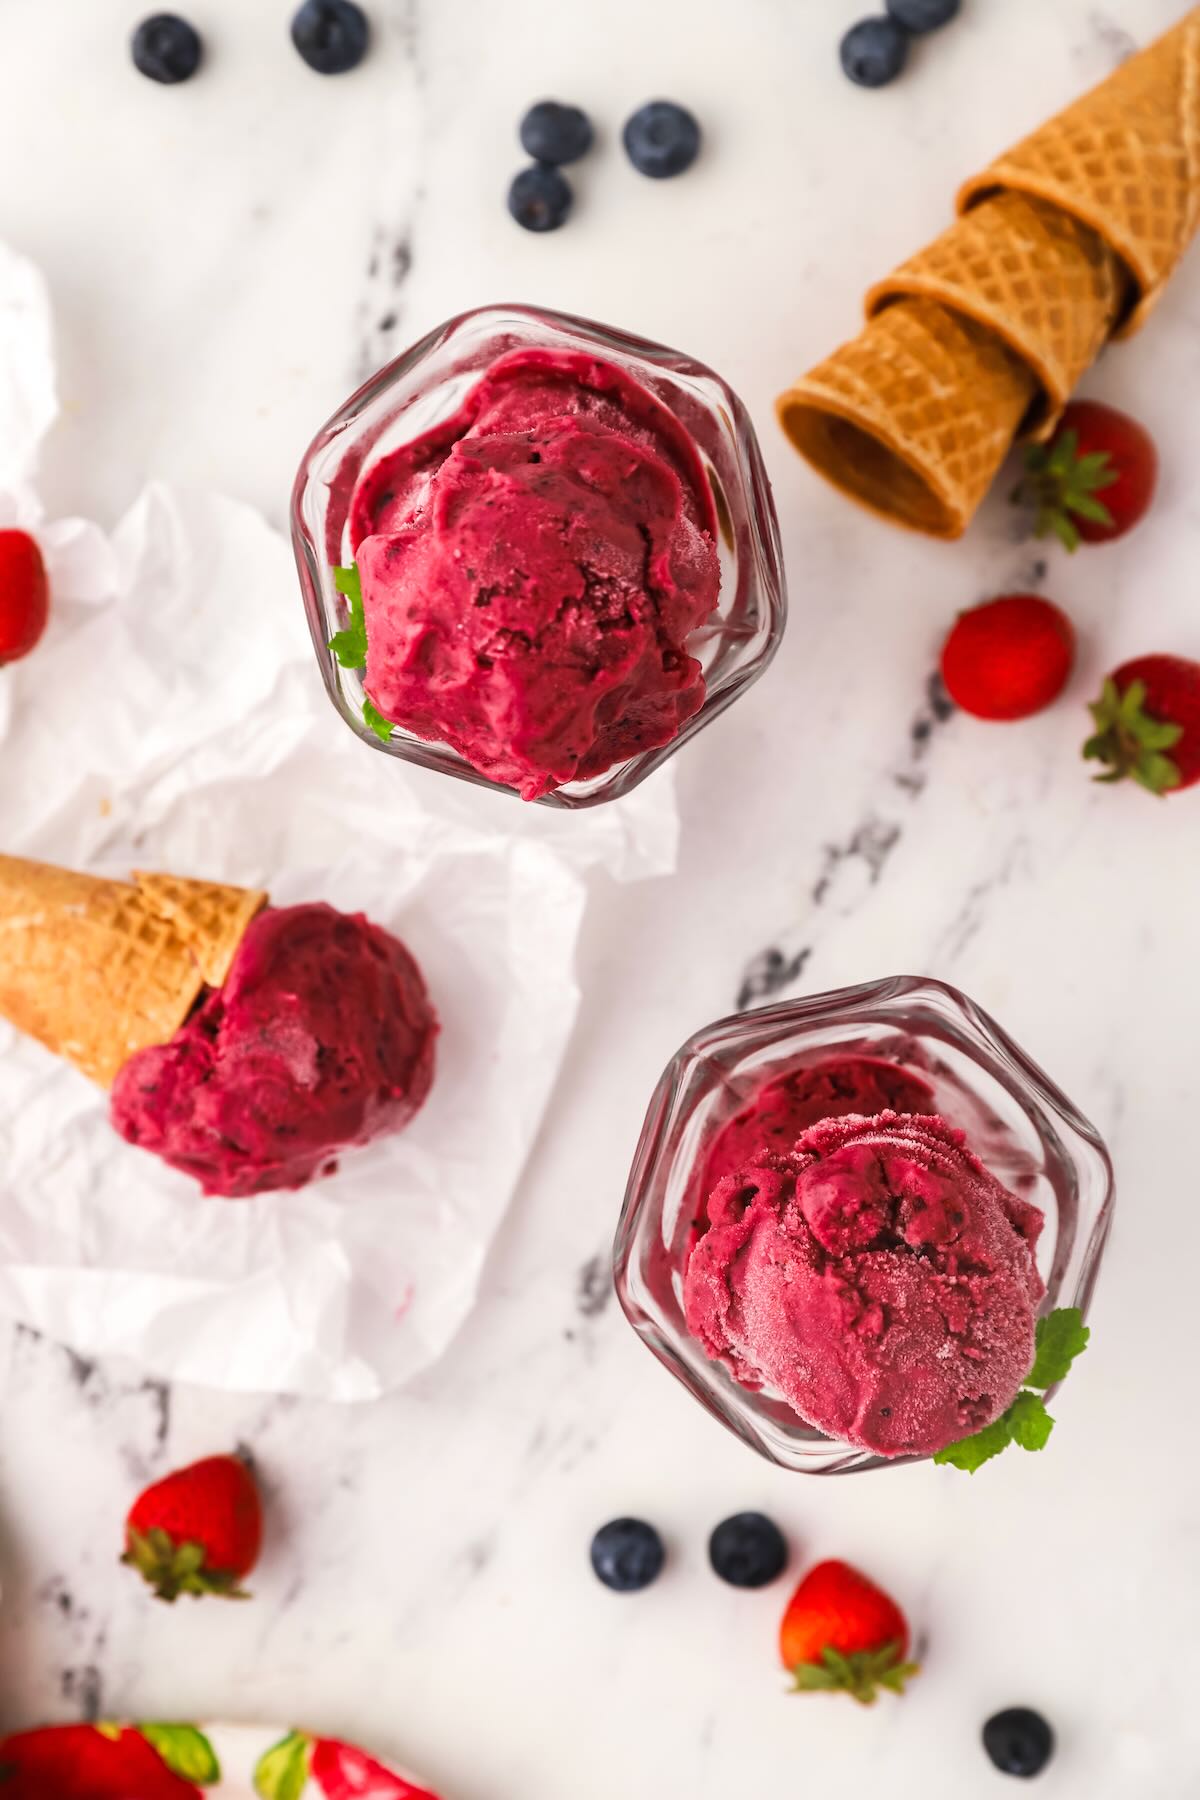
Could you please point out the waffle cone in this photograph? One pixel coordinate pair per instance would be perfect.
(913, 417)
(210, 918)
(96, 969)
(1065, 241)
(1045, 284)
(1124, 160)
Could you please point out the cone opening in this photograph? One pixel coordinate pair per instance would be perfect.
(865, 467)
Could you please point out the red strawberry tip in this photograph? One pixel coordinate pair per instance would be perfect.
(1131, 742)
(861, 1674)
(1061, 486)
(172, 1569)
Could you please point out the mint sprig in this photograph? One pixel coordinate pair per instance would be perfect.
(1060, 1337)
(373, 718)
(350, 645)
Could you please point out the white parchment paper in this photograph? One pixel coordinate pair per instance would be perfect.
(174, 718)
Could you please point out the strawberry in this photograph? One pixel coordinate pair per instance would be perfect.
(87, 1762)
(1095, 478)
(1148, 724)
(1008, 658)
(842, 1634)
(24, 595)
(343, 1773)
(199, 1531)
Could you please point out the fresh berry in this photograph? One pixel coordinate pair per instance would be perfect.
(1148, 724)
(748, 1551)
(661, 139)
(1095, 478)
(343, 1773)
(1018, 1741)
(842, 1634)
(167, 48)
(87, 1762)
(540, 198)
(553, 133)
(199, 1531)
(24, 595)
(919, 16)
(1008, 658)
(627, 1555)
(331, 35)
(874, 52)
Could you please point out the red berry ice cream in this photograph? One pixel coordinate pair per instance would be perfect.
(321, 1037)
(787, 1105)
(532, 570)
(877, 1276)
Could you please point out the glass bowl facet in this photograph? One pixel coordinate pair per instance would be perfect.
(1018, 1123)
(427, 385)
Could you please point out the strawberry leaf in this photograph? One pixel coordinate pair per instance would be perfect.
(172, 1569)
(860, 1674)
(1029, 1423)
(350, 645)
(282, 1774)
(1132, 742)
(1062, 486)
(186, 1751)
(1060, 1337)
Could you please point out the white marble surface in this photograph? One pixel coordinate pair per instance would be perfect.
(227, 259)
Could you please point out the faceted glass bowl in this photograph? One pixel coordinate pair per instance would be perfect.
(1017, 1122)
(427, 385)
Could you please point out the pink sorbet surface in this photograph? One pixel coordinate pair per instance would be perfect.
(789, 1104)
(877, 1276)
(532, 569)
(321, 1037)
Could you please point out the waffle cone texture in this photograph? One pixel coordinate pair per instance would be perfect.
(1064, 242)
(97, 970)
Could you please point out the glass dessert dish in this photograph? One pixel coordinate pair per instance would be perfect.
(1019, 1125)
(426, 387)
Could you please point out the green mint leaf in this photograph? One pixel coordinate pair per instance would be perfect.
(382, 727)
(282, 1774)
(1029, 1423)
(1061, 1336)
(350, 645)
(348, 581)
(186, 1752)
(972, 1452)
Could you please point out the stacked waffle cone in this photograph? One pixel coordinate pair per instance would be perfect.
(1064, 242)
(97, 969)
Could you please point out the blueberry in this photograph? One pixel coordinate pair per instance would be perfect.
(627, 1555)
(662, 139)
(923, 15)
(167, 48)
(748, 1551)
(540, 198)
(874, 52)
(1018, 1741)
(331, 35)
(552, 133)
